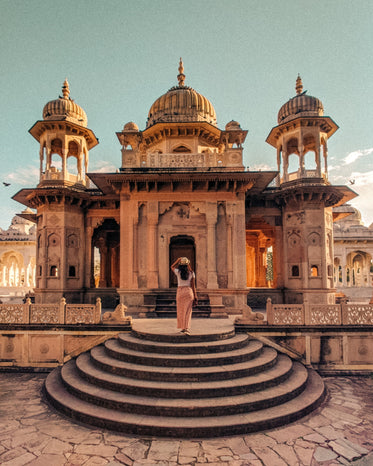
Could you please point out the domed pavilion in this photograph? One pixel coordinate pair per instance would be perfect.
(181, 189)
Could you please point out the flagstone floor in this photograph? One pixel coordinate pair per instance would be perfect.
(32, 433)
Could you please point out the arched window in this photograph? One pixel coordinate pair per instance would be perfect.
(295, 271)
(72, 271)
(53, 271)
(314, 271)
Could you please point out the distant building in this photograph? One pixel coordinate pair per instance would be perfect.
(182, 190)
(17, 258)
(353, 254)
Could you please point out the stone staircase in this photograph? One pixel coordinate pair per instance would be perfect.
(156, 382)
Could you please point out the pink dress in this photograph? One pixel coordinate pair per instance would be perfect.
(184, 300)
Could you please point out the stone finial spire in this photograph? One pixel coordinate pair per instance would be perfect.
(181, 75)
(299, 85)
(65, 90)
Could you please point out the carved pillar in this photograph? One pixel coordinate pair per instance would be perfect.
(229, 250)
(317, 158)
(64, 163)
(301, 159)
(285, 158)
(278, 177)
(41, 153)
(128, 217)
(152, 235)
(325, 153)
(239, 243)
(211, 217)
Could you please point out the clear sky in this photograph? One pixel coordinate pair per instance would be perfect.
(243, 55)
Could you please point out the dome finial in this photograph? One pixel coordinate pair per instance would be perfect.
(181, 75)
(299, 85)
(65, 90)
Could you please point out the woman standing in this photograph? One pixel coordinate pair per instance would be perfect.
(186, 293)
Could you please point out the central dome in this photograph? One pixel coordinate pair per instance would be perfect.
(181, 104)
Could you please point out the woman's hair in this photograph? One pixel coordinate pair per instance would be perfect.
(184, 271)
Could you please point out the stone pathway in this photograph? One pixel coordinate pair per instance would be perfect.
(339, 432)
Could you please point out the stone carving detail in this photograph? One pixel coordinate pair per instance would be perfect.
(13, 313)
(288, 314)
(118, 316)
(325, 314)
(357, 314)
(314, 239)
(296, 218)
(81, 314)
(45, 314)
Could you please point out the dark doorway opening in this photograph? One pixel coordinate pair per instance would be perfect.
(181, 246)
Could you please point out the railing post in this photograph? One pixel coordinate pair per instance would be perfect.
(61, 319)
(97, 317)
(27, 311)
(306, 311)
(269, 310)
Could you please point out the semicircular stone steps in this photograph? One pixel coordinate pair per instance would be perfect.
(156, 382)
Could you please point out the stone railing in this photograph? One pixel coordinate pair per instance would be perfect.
(60, 313)
(319, 314)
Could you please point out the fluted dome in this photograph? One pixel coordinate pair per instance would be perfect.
(64, 108)
(181, 104)
(300, 105)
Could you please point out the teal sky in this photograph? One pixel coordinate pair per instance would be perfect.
(243, 55)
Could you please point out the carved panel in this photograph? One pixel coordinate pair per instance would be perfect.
(81, 314)
(45, 314)
(13, 313)
(325, 314)
(357, 314)
(288, 314)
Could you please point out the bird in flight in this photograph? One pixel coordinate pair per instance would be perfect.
(6, 184)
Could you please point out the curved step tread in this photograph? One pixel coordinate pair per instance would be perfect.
(161, 388)
(116, 350)
(129, 340)
(164, 330)
(207, 426)
(266, 359)
(184, 407)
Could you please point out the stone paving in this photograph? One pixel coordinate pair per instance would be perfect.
(32, 433)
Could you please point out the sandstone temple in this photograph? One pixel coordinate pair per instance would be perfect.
(182, 189)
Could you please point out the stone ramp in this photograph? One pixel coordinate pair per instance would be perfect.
(158, 382)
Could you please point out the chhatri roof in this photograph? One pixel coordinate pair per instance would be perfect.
(300, 105)
(181, 104)
(64, 108)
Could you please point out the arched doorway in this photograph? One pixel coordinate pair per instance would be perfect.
(105, 243)
(181, 246)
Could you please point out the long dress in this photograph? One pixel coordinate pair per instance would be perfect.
(184, 301)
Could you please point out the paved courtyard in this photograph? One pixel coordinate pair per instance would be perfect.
(32, 433)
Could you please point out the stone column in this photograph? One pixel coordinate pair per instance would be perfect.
(211, 218)
(64, 163)
(128, 214)
(325, 153)
(302, 167)
(278, 177)
(317, 158)
(41, 153)
(152, 235)
(239, 243)
(285, 158)
(230, 249)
